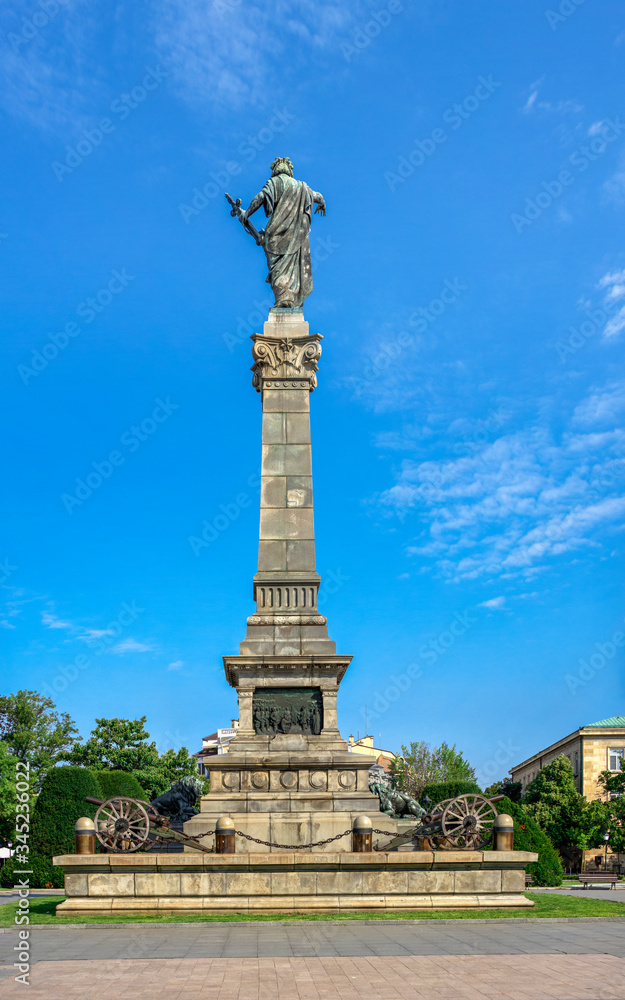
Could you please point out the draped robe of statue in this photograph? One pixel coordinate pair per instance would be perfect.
(288, 205)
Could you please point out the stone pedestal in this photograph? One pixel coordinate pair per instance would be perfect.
(288, 776)
(293, 883)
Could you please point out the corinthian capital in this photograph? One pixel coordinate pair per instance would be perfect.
(285, 362)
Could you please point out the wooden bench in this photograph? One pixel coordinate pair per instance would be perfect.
(599, 878)
(529, 880)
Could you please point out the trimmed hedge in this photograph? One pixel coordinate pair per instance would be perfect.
(114, 783)
(529, 837)
(60, 803)
(44, 874)
(448, 790)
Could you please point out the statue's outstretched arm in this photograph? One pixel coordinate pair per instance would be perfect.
(320, 202)
(254, 205)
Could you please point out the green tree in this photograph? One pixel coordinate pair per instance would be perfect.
(441, 790)
(114, 783)
(513, 790)
(614, 787)
(615, 810)
(122, 745)
(528, 836)
(613, 783)
(8, 795)
(565, 816)
(60, 803)
(421, 764)
(35, 732)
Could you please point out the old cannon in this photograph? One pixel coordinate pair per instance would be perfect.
(123, 824)
(463, 823)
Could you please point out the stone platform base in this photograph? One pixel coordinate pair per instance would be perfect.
(157, 884)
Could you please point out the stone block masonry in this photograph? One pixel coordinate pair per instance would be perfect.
(294, 882)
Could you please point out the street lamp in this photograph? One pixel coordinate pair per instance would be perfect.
(606, 837)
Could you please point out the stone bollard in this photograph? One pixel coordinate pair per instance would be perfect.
(224, 836)
(84, 831)
(362, 835)
(504, 833)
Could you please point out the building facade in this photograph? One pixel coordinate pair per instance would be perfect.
(364, 746)
(215, 744)
(591, 749)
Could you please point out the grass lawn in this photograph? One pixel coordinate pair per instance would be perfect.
(42, 911)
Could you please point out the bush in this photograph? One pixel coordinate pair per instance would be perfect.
(529, 837)
(60, 804)
(448, 790)
(44, 874)
(114, 783)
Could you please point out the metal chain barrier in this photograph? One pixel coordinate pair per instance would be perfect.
(288, 847)
(292, 847)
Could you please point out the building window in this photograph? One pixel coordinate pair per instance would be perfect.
(576, 772)
(615, 755)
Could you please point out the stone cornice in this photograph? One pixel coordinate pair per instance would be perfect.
(330, 665)
(582, 733)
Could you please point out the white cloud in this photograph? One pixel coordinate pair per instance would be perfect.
(561, 107)
(613, 287)
(614, 186)
(242, 56)
(565, 107)
(493, 604)
(530, 102)
(91, 634)
(176, 665)
(615, 325)
(50, 80)
(603, 407)
(513, 505)
(6, 624)
(596, 127)
(614, 281)
(50, 620)
(131, 645)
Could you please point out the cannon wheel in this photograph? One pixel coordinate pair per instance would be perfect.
(439, 842)
(468, 821)
(122, 825)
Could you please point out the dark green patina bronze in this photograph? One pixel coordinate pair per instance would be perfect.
(288, 206)
(287, 710)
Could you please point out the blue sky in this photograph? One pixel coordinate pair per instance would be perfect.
(469, 456)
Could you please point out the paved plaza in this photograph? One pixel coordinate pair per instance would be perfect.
(511, 960)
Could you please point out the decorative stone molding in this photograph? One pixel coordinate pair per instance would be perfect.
(347, 779)
(318, 780)
(285, 362)
(286, 597)
(329, 669)
(287, 620)
(260, 779)
(288, 779)
(231, 780)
